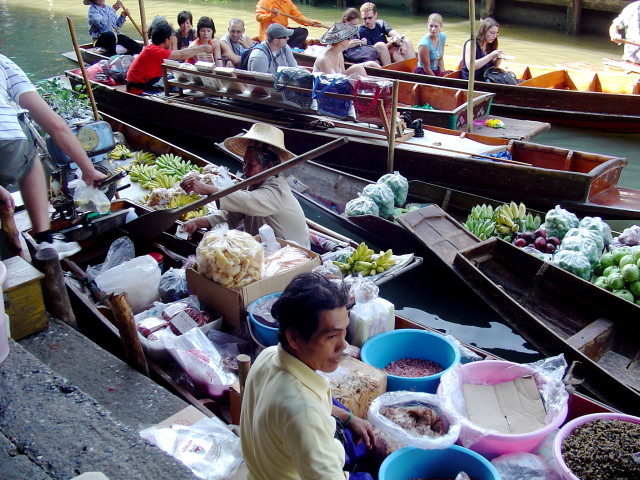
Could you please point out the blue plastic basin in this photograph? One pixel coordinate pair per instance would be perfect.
(381, 350)
(411, 462)
(265, 335)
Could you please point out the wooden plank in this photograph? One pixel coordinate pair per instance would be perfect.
(595, 339)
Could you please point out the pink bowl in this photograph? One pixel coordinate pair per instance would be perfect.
(568, 429)
(492, 372)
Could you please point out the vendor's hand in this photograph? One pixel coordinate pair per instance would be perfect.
(6, 200)
(190, 227)
(362, 431)
(92, 177)
(196, 186)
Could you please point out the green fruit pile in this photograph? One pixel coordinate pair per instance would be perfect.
(619, 272)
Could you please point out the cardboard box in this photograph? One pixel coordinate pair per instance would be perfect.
(356, 384)
(232, 303)
(509, 407)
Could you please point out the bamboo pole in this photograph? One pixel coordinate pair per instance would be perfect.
(143, 21)
(622, 40)
(55, 291)
(128, 14)
(471, 64)
(123, 317)
(300, 20)
(392, 127)
(74, 39)
(244, 363)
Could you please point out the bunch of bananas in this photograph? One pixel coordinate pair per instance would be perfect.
(122, 168)
(480, 221)
(120, 152)
(143, 173)
(510, 218)
(143, 158)
(531, 223)
(201, 212)
(174, 165)
(160, 180)
(361, 261)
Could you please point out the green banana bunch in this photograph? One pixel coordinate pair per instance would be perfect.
(182, 200)
(143, 158)
(160, 180)
(201, 212)
(482, 229)
(143, 173)
(384, 261)
(482, 212)
(361, 254)
(531, 223)
(120, 152)
(174, 165)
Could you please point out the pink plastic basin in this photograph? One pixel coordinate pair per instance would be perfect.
(4, 340)
(493, 372)
(568, 429)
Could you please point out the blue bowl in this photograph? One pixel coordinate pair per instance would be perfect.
(381, 350)
(412, 462)
(265, 335)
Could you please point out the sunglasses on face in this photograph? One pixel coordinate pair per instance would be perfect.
(367, 18)
(282, 38)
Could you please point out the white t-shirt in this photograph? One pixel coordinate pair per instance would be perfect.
(629, 19)
(13, 83)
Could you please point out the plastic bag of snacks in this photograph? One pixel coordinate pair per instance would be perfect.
(232, 258)
(371, 314)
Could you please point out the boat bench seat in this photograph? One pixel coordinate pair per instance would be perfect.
(595, 339)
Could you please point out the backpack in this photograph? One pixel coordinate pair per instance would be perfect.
(118, 66)
(244, 58)
(497, 75)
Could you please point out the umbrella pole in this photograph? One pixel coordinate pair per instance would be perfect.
(471, 64)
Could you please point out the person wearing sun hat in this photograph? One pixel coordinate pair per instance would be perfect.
(274, 52)
(104, 27)
(269, 202)
(331, 60)
(628, 22)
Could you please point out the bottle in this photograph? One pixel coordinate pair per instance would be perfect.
(131, 215)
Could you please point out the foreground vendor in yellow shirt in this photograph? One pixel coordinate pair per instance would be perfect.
(286, 428)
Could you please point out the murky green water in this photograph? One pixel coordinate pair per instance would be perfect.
(35, 33)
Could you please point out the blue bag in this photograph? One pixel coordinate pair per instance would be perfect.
(330, 106)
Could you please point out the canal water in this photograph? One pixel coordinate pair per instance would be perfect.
(35, 33)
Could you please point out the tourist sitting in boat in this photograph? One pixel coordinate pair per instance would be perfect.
(273, 52)
(205, 32)
(380, 32)
(358, 51)
(287, 429)
(270, 202)
(331, 60)
(282, 11)
(19, 158)
(184, 35)
(235, 42)
(431, 48)
(487, 53)
(628, 22)
(104, 28)
(145, 73)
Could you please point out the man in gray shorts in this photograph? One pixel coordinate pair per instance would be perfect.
(19, 159)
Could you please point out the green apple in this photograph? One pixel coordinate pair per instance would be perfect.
(630, 272)
(624, 293)
(615, 281)
(607, 260)
(609, 270)
(635, 251)
(634, 287)
(626, 260)
(602, 283)
(618, 253)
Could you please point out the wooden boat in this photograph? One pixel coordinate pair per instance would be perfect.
(603, 101)
(558, 312)
(583, 182)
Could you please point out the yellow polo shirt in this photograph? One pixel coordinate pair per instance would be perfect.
(286, 427)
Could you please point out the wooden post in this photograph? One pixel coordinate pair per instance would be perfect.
(471, 63)
(87, 83)
(244, 363)
(143, 22)
(488, 8)
(56, 297)
(123, 318)
(574, 17)
(392, 127)
(11, 233)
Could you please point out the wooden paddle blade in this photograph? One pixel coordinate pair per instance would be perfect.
(153, 223)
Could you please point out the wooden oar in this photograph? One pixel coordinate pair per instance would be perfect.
(293, 17)
(87, 83)
(622, 40)
(153, 223)
(132, 20)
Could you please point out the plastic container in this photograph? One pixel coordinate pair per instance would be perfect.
(4, 333)
(493, 372)
(566, 430)
(158, 257)
(381, 350)
(411, 462)
(262, 333)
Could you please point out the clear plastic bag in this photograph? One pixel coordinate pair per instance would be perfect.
(574, 262)
(284, 259)
(362, 205)
(207, 447)
(524, 466)
(89, 198)
(398, 185)
(400, 437)
(173, 285)
(121, 250)
(371, 315)
(382, 195)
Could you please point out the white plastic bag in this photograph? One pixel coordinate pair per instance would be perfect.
(139, 277)
(370, 315)
(524, 466)
(88, 198)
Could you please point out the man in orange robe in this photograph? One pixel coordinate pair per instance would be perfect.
(266, 18)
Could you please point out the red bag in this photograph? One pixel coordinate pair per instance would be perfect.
(376, 89)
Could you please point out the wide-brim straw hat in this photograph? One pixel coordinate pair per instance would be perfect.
(260, 133)
(338, 32)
